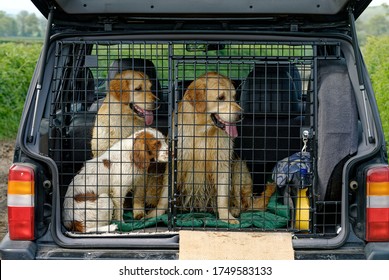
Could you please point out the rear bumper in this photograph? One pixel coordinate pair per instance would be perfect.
(29, 250)
(377, 251)
(26, 250)
(17, 250)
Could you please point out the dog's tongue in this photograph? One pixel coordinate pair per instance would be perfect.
(149, 117)
(231, 129)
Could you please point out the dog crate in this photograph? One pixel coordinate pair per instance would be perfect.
(286, 102)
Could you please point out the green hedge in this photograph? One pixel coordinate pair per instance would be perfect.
(17, 61)
(376, 54)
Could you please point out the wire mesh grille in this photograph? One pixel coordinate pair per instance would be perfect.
(238, 120)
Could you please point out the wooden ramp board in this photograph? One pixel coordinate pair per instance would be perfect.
(197, 245)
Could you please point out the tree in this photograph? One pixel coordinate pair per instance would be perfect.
(378, 25)
(8, 26)
(373, 22)
(22, 25)
(33, 25)
(28, 24)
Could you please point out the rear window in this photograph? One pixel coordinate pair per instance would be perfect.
(277, 139)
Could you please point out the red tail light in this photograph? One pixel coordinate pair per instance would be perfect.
(377, 213)
(21, 202)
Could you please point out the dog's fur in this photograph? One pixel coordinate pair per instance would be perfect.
(97, 192)
(128, 106)
(207, 118)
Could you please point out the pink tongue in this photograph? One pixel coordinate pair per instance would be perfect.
(231, 130)
(149, 118)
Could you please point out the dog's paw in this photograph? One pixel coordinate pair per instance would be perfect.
(154, 213)
(235, 212)
(270, 188)
(233, 222)
(139, 214)
(230, 220)
(226, 216)
(112, 227)
(103, 229)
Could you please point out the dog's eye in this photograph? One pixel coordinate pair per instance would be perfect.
(138, 88)
(221, 98)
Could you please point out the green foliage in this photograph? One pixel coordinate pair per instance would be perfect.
(24, 24)
(8, 26)
(376, 54)
(18, 61)
(373, 22)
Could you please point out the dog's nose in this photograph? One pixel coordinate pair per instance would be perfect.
(239, 117)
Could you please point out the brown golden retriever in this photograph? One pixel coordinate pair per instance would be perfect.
(206, 169)
(127, 107)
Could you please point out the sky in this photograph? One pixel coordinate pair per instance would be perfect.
(15, 6)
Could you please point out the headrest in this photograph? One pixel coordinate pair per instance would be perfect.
(272, 89)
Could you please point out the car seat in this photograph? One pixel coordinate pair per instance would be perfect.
(271, 97)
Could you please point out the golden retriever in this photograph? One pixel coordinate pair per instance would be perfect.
(97, 192)
(128, 106)
(208, 177)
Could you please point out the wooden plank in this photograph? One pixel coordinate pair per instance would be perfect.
(196, 245)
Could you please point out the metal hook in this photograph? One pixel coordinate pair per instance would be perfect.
(305, 140)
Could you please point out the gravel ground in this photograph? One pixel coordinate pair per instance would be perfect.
(6, 155)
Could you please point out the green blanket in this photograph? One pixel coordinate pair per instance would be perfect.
(276, 216)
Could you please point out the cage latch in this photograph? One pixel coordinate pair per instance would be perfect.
(305, 140)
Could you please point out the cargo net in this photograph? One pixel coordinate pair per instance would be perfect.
(158, 137)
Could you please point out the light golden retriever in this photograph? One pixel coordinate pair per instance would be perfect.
(208, 177)
(128, 106)
(96, 193)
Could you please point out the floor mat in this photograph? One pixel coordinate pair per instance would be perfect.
(276, 216)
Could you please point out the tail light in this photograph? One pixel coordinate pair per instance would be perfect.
(21, 202)
(377, 212)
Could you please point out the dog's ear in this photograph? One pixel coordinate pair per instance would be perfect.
(195, 94)
(152, 147)
(118, 86)
(146, 148)
(141, 159)
(142, 76)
